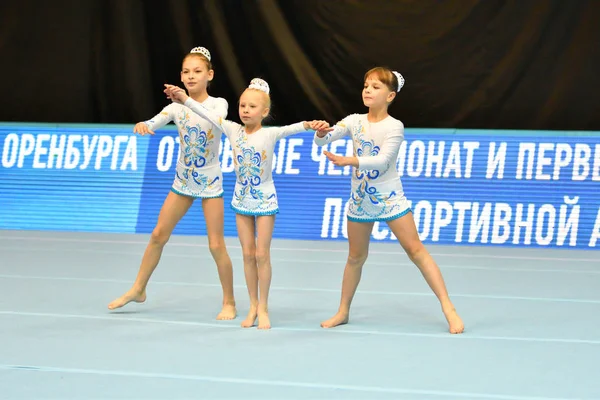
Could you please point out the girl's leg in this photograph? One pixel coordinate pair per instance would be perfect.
(246, 233)
(214, 217)
(359, 235)
(173, 209)
(264, 225)
(405, 230)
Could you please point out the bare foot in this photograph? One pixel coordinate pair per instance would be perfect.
(249, 321)
(228, 312)
(263, 320)
(455, 323)
(131, 295)
(337, 319)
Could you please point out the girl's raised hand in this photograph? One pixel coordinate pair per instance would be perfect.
(175, 94)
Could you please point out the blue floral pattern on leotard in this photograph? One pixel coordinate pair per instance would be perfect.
(250, 165)
(196, 154)
(195, 142)
(366, 199)
(201, 180)
(367, 148)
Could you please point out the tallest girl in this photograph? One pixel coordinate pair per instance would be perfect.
(198, 176)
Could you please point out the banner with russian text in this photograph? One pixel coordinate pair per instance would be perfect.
(467, 187)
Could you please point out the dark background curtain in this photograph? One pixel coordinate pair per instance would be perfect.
(520, 64)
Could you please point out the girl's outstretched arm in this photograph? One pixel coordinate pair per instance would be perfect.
(158, 121)
(318, 126)
(326, 136)
(178, 95)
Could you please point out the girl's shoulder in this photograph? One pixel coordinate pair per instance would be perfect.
(394, 122)
(352, 119)
(213, 102)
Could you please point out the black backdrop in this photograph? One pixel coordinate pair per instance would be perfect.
(516, 64)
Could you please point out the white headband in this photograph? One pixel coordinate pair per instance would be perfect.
(201, 50)
(259, 84)
(400, 80)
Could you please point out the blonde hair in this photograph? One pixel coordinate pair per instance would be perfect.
(266, 97)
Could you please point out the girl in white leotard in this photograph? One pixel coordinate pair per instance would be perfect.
(198, 176)
(377, 193)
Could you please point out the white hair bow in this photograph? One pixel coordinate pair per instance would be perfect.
(400, 80)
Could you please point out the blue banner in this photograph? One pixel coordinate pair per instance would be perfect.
(467, 187)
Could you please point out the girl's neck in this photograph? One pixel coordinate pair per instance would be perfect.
(377, 114)
(199, 96)
(250, 129)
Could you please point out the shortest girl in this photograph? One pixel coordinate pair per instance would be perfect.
(254, 199)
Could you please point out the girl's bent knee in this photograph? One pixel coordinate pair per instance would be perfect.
(414, 251)
(216, 247)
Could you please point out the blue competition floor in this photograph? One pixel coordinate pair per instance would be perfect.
(532, 324)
